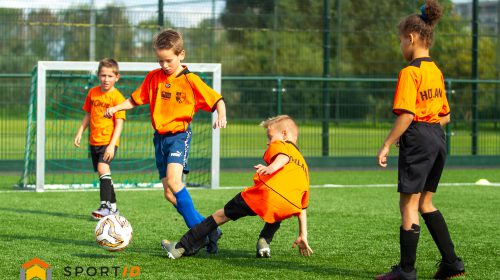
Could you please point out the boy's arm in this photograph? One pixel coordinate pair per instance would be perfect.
(276, 165)
(221, 121)
(83, 126)
(301, 240)
(400, 126)
(125, 105)
(109, 154)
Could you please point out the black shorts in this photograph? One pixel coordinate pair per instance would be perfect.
(237, 208)
(97, 154)
(422, 155)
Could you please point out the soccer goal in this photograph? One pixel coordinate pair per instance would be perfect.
(58, 91)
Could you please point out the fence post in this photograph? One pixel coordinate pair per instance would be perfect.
(475, 73)
(279, 92)
(448, 126)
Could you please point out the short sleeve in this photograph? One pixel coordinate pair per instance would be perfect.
(305, 200)
(141, 95)
(205, 97)
(405, 98)
(274, 149)
(86, 103)
(445, 110)
(118, 99)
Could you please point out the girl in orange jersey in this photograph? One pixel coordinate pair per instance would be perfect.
(280, 191)
(422, 109)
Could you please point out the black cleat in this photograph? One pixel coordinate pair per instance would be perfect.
(213, 238)
(450, 270)
(397, 273)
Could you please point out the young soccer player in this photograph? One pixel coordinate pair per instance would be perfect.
(280, 191)
(422, 108)
(104, 132)
(174, 95)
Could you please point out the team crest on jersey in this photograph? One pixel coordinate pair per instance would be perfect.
(165, 95)
(180, 96)
(168, 85)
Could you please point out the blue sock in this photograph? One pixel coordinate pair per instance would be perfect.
(185, 207)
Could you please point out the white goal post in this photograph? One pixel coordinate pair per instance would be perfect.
(91, 66)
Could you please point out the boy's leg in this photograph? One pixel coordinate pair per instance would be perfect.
(105, 190)
(263, 249)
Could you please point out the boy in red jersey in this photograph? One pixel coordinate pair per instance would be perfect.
(422, 109)
(104, 133)
(174, 95)
(280, 191)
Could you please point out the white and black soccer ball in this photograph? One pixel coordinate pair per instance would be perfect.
(113, 233)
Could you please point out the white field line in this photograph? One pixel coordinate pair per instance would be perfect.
(125, 187)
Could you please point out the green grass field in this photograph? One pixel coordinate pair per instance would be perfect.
(353, 231)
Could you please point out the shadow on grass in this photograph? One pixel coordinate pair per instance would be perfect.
(48, 213)
(9, 237)
(242, 258)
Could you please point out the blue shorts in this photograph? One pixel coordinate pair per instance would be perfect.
(171, 148)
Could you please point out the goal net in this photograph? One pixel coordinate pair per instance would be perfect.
(58, 91)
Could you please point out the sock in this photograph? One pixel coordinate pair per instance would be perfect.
(408, 241)
(439, 231)
(186, 208)
(269, 230)
(113, 195)
(105, 187)
(197, 235)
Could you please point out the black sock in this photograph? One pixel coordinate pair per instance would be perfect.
(408, 241)
(105, 187)
(113, 195)
(197, 234)
(269, 230)
(439, 230)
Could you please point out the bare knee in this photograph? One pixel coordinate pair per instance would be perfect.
(220, 217)
(170, 197)
(174, 184)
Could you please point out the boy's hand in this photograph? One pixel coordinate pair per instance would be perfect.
(221, 122)
(304, 248)
(109, 153)
(382, 156)
(77, 140)
(109, 112)
(263, 170)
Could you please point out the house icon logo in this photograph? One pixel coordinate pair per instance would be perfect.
(35, 269)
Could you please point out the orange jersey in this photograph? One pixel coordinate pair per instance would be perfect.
(420, 92)
(284, 193)
(96, 103)
(174, 100)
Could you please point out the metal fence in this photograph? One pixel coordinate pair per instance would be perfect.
(339, 118)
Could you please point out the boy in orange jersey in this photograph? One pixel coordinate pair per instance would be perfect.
(422, 109)
(174, 95)
(104, 132)
(280, 191)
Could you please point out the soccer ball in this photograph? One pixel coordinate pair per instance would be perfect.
(113, 233)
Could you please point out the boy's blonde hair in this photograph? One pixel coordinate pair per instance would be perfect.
(108, 63)
(169, 39)
(281, 122)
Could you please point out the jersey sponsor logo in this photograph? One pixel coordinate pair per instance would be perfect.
(431, 93)
(99, 103)
(176, 154)
(165, 95)
(180, 96)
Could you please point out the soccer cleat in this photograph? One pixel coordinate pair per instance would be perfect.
(213, 238)
(397, 273)
(450, 270)
(102, 212)
(172, 252)
(263, 249)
